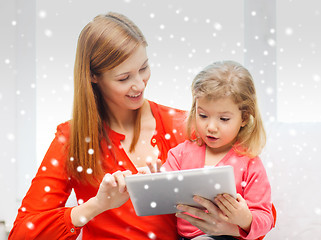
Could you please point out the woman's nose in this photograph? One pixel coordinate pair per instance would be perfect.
(139, 84)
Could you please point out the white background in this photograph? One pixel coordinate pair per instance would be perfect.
(277, 41)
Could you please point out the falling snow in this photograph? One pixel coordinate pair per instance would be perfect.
(91, 151)
(151, 235)
(54, 162)
(153, 204)
(30, 225)
(296, 92)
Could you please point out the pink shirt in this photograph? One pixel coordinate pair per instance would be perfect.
(251, 182)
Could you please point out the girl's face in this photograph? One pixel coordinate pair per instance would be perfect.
(218, 122)
(123, 86)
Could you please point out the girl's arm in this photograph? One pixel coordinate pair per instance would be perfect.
(257, 194)
(208, 221)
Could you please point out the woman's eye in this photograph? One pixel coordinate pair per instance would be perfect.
(143, 69)
(123, 79)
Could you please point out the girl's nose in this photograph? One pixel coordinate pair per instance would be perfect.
(212, 127)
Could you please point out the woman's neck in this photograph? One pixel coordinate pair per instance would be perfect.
(123, 121)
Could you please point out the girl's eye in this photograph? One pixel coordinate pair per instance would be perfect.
(224, 119)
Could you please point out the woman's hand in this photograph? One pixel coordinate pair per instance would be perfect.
(154, 169)
(234, 211)
(112, 192)
(208, 221)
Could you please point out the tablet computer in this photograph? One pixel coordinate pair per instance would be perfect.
(159, 193)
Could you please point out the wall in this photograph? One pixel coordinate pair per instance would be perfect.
(17, 104)
(36, 65)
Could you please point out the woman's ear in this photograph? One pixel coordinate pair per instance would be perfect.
(94, 78)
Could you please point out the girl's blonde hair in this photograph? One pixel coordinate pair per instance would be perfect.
(231, 79)
(103, 44)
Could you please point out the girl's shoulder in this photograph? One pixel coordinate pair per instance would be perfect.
(244, 161)
(188, 147)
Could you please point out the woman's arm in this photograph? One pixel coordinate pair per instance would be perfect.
(43, 213)
(112, 193)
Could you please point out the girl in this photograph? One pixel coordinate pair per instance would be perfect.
(225, 128)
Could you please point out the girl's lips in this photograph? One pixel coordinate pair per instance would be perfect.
(211, 138)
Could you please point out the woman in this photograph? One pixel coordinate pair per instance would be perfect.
(113, 131)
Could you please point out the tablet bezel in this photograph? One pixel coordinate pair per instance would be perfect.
(159, 193)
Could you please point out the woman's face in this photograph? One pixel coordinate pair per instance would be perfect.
(123, 86)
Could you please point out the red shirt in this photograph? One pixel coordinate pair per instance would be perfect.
(43, 214)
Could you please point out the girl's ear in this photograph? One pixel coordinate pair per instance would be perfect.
(245, 118)
(94, 78)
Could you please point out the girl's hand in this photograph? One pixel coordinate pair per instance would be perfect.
(112, 192)
(234, 211)
(208, 221)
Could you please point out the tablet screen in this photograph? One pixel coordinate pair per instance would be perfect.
(159, 193)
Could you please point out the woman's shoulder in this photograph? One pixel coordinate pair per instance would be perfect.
(171, 119)
(63, 129)
(170, 116)
(166, 110)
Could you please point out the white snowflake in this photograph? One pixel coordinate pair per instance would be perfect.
(30, 225)
(151, 235)
(288, 31)
(54, 162)
(42, 14)
(10, 136)
(48, 33)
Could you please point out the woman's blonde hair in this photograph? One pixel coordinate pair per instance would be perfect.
(231, 79)
(103, 44)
